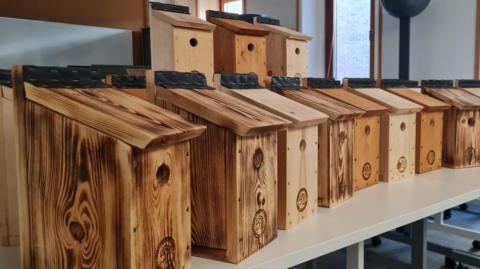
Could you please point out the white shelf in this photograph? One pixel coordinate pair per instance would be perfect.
(370, 212)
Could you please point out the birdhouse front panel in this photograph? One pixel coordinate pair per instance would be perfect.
(297, 58)
(114, 193)
(297, 145)
(234, 172)
(461, 147)
(9, 226)
(251, 56)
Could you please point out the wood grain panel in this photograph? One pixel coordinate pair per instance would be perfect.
(239, 26)
(370, 107)
(458, 98)
(296, 59)
(75, 224)
(429, 141)
(463, 151)
(162, 232)
(4, 234)
(276, 55)
(429, 103)
(366, 152)
(285, 32)
(251, 56)
(394, 103)
(336, 163)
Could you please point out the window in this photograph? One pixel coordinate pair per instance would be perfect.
(351, 35)
(232, 6)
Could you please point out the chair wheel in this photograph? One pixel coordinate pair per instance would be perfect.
(376, 241)
(476, 244)
(461, 266)
(447, 214)
(449, 262)
(463, 207)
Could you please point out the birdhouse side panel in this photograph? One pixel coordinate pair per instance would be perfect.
(324, 163)
(162, 230)
(77, 192)
(161, 45)
(193, 52)
(366, 159)
(429, 141)
(276, 55)
(224, 50)
(251, 56)
(297, 58)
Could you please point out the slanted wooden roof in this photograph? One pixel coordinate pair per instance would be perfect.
(394, 103)
(370, 107)
(234, 23)
(429, 103)
(285, 32)
(456, 97)
(124, 117)
(335, 109)
(183, 20)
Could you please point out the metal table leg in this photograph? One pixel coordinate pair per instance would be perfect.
(419, 244)
(355, 256)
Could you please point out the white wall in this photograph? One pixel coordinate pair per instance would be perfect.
(284, 10)
(45, 43)
(312, 23)
(442, 41)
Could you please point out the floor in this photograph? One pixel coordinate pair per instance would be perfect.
(393, 255)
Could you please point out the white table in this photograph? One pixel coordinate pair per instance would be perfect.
(370, 212)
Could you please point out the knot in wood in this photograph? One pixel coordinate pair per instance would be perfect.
(258, 158)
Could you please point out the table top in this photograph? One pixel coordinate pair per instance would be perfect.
(370, 212)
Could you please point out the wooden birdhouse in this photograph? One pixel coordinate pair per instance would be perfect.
(234, 173)
(180, 41)
(130, 79)
(9, 232)
(397, 129)
(335, 137)
(240, 47)
(297, 146)
(461, 147)
(366, 142)
(287, 50)
(104, 177)
(429, 134)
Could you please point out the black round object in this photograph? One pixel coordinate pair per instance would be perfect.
(449, 262)
(464, 207)
(476, 244)
(376, 241)
(461, 266)
(447, 214)
(405, 8)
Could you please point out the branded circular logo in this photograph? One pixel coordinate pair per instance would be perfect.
(367, 171)
(402, 164)
(470, 155)
(431, 157)
(302, 200)
(165, 254)
(259, 223)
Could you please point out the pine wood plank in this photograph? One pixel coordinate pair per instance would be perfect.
(370, 107)
(224, 110)
(334, 109)
(251, 56)
(4, 233)
(239, 26)
(123, 116)
(296, 59)
(182, 20)
(366, 152)
(394, 103)
(285, 32)
(428, 156)
(458, 98)
(300, 115)
(429, 103)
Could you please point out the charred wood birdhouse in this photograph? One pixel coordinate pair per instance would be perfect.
(366, 144)
(287, 50)
(9, 233)
(234, 173)
(180, 41)
(240, 47)
(104, 177)
(335, 138)
(297, 146)
(397, 129)
(429, 134)
(461, 147)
